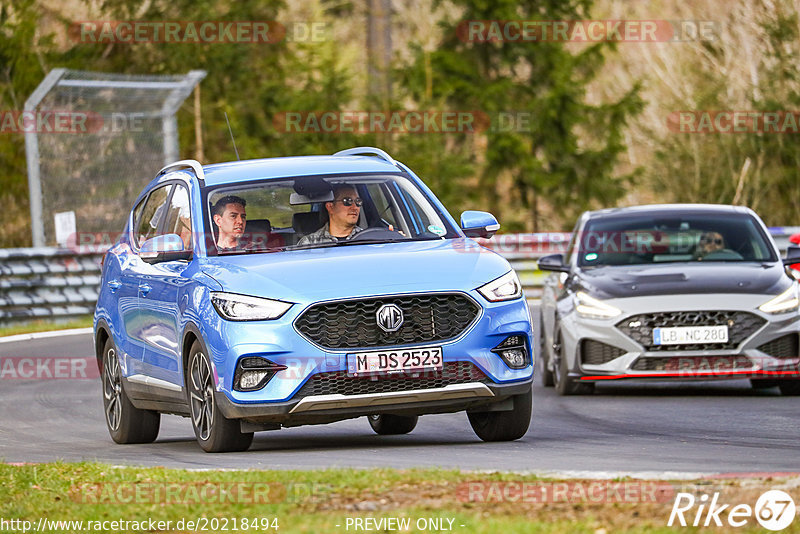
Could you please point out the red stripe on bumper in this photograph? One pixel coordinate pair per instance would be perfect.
(710, 374)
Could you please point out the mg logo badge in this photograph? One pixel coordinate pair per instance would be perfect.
(389, 317)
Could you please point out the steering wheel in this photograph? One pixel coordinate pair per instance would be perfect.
(724, 254)
(378, 234)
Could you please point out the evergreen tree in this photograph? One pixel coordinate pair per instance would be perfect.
(567, 153)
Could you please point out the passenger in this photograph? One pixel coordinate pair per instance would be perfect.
(343, 214)
(709, 242)
(231, 218)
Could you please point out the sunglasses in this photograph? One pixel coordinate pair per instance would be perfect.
(349, 201)
(711, 240)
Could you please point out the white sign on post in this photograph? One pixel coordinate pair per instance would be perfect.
(65, 227)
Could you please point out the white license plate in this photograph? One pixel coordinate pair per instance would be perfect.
(690, 335)
(395, 361)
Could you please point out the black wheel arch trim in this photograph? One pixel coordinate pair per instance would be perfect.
(100, 341)
(193, 330)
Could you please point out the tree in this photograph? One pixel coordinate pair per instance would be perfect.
(23, 57)
(752, 66)
(567, 155)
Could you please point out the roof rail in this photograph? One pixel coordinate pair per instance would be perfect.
(363, 150)
(182, 164)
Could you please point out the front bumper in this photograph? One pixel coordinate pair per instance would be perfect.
(634, 360)
(317, 409)
(282, 399)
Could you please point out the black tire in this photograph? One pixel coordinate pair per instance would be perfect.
(213, 431)
(504, 426)
(126, 423)
(564, 384)
(544, 360)
(388, 425)
(789, 387)
(764, 383)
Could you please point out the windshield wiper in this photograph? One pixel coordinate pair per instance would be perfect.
(370, 241)
(394, 240)
(349, 242)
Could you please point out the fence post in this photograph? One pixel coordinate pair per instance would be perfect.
(32, 152)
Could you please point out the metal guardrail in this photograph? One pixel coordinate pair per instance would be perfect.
(51, 283)
(47, 283)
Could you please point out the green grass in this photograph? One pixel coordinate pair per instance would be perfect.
(42, 325)
(301, 501)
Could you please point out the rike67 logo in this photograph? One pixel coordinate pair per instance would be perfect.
(774, 510)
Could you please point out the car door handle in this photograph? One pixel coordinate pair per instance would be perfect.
(114, 285)
(144, 289)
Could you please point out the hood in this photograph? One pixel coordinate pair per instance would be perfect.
(305, 276)
(683, 278)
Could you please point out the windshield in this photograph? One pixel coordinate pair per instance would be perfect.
(643, 239)
(310, 212)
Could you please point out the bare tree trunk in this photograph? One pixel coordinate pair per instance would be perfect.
(379, 50)
(199, 153)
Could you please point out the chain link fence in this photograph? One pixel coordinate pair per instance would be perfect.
(99, 138)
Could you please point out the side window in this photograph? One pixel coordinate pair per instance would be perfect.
(137, 213)
(179, 220)
(152, 214)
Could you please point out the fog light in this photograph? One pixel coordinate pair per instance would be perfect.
(254, 372)
(514, 357)
(250, 379)
(514, 351)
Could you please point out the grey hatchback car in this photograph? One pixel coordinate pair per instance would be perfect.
(670, 292)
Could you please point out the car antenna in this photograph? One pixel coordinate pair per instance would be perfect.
(232, 139)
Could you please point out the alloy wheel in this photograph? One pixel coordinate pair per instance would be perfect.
(112, 389)
(202, 395)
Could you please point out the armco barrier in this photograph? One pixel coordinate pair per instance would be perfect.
(51, 283)
(47, 283)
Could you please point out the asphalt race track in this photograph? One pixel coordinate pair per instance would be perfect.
(656, 428)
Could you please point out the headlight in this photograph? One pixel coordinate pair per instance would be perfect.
(789, 300)
(507, 287)
(591, 307)
(243, 308)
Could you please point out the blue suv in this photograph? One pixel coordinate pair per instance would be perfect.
(255, 295)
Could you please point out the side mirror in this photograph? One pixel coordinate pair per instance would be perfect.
(553, 262)
(792, 255)
(168, 247)
(479, 224)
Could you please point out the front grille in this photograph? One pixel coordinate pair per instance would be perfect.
(741, 325)
(338, 382)
(692, 363)
(784, 347)
(597, 353)
(352, 324)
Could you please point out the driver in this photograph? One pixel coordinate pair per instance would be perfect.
(343, 214)
(231, 218)
(709, 242)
